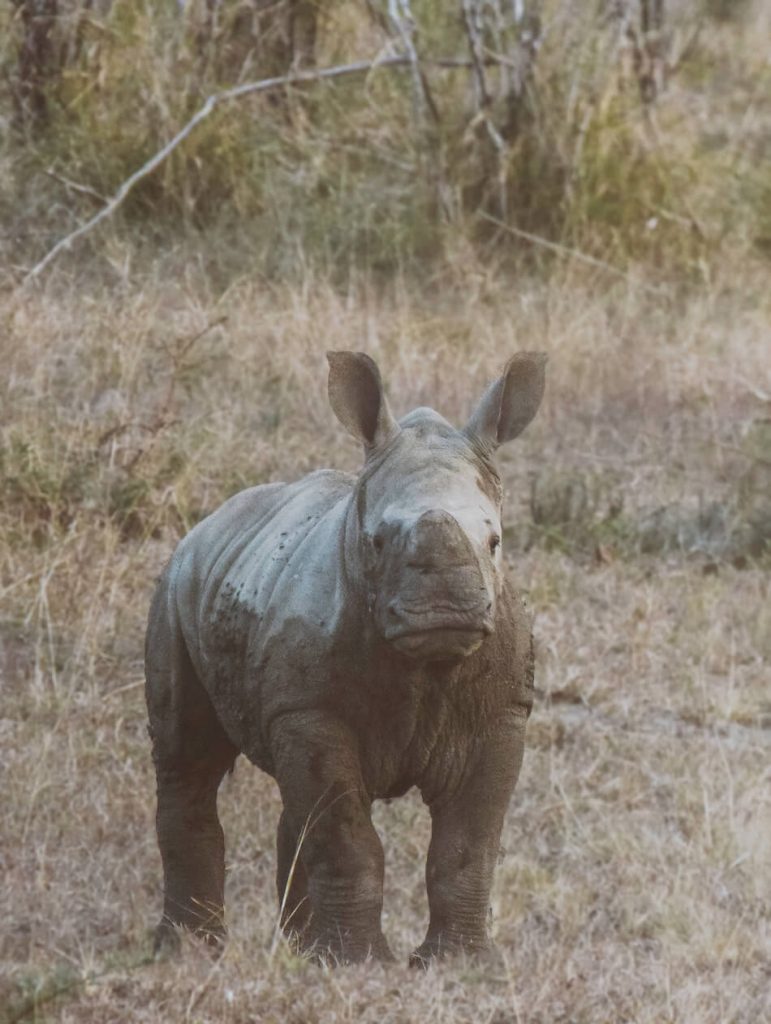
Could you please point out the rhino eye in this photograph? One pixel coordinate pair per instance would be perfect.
(494, 543)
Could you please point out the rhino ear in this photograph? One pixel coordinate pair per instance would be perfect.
(509, 403)
(358, 400)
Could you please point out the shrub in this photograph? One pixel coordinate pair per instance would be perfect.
(562, 138)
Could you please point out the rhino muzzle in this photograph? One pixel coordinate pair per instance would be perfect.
(438, 631)
(439, 607)
(439, 644)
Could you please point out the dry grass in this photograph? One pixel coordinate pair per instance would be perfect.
(634, 877)
(635, 874)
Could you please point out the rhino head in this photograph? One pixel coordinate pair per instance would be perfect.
(424, 528)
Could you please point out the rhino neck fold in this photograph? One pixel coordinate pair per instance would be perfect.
(352, 571)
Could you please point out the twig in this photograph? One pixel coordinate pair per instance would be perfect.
(565, 250)
(85, 190)
(125, 688)
(687, 48)
(165, 418)
(200, 990)
(736, 450)
(185, 344)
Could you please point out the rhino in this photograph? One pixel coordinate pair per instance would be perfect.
(354, 636)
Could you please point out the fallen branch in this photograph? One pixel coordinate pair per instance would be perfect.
(215, 100)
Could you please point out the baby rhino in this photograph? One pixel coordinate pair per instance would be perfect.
(353, 636)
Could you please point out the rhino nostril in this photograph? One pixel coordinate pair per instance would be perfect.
(393, 610)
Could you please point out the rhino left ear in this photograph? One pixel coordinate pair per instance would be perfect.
(509, 403)
(357, 397)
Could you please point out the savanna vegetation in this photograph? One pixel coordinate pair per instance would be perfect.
(593, 180)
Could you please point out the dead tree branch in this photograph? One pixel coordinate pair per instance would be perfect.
(472, 22)
(215, 100)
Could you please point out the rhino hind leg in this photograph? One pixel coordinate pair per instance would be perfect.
(191, 754)
(192, 848)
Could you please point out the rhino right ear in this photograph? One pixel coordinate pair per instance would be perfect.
(358, 400)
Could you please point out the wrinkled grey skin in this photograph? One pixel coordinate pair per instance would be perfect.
(353, 637)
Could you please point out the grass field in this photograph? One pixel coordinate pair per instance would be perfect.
(635, 869)
(176, 356)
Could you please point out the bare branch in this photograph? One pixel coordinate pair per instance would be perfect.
(471, 21)
(401, 17)
(75, 186)
(216, 99)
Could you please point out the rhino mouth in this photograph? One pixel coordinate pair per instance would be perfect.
(443, 643)
(438, 632)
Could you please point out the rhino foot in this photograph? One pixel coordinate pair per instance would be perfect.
(432, 950)
(334, 952)
(167, 941)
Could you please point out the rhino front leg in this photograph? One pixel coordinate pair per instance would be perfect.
(465, 839)
(326, 806)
